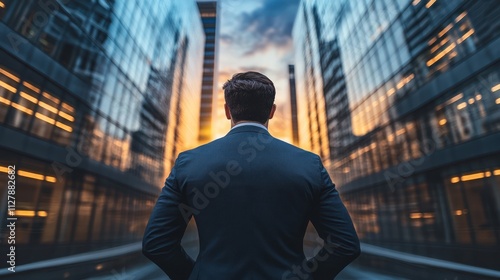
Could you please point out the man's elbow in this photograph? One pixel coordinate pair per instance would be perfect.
(147, 249)
(150, 250)
(354, 250)
(350, 250)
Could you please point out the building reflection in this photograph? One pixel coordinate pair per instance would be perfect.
(411, 91)
(96, 101)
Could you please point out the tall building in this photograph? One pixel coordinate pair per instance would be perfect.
(412, 103)
(310, 98)
(293, 105)
(97, 98)
(209, 11)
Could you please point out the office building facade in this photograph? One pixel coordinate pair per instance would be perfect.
(293, 105)
(97, 98)
(309, 87)
(412, 97)
(210, 16)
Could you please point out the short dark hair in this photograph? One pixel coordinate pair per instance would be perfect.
(249, 96)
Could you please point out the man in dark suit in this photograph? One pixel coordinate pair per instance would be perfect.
(252, 197)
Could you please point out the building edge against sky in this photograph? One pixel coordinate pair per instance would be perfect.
(211, 17)
(411, 95)
(97, 98)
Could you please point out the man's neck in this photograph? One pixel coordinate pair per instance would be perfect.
(249, 122)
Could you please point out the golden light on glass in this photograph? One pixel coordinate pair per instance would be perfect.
(22, 108)
(5, 101)
(442, 121)
(430, 3)
(391, 91)
(42, 213)
(455, 180)
(66, 116)
(428, 215)
(50, 97)
(471, 101)
(32, 87)
(63, 126)
(50, 179)
(460, 16)
(7, 87)
(25, 213)
(30, 213)
(10, 75)
(4, 169)
(415, 2)
(68, 107)
(495, 88)
(455, 98)
(416, 215)
(441, 54)
(461, 105)
(45, 118)
(436, 47)
(459, 212)
(496, 172)
(30, 175)
(465, 36)
(446, 29)
(497, 101)
(48, 107)
(478, 97)
(28, 97)
(473, 176)
(487, 173)
(432, 41)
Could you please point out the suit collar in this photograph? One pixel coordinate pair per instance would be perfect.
(248, 128)
(250, 123)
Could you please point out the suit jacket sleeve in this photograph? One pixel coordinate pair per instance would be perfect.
(334, 226)
(166, 226)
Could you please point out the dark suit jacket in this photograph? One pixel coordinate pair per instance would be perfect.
(252, 197)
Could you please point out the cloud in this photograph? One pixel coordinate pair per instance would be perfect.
(268, 25)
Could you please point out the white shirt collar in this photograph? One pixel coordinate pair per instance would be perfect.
(249, 123)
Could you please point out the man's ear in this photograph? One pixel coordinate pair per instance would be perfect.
(273, 109)
(228, 113)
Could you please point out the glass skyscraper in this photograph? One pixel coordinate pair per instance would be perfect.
(410, 95)
(97, 98)
(210, 17)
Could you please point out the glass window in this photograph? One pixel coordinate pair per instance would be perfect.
(479, 195)
(47, 110)
(69, 48)
(49, 206)
(83, 224)
(417, 216)
(9, 81)
(65, 121)
(458, 210)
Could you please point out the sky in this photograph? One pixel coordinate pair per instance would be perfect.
(256, 35)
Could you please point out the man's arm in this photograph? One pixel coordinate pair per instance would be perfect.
(166, 226)
(334, 226)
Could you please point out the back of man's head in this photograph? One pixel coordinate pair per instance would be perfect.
(249, 96)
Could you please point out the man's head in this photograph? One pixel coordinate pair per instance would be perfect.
(249, 97)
